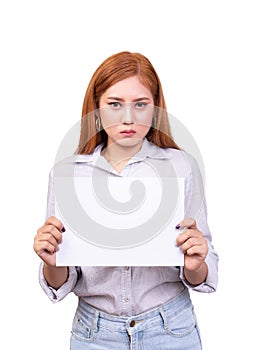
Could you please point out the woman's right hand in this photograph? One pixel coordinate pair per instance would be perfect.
(47, 240)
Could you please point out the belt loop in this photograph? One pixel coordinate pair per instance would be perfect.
(162, 313)
(95, 321)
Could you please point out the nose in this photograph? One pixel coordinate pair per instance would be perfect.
(127, 115)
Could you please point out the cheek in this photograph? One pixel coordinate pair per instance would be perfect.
(143, 130)
(144, 120)
(109, 118)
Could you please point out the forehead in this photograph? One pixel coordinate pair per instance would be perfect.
(129, 88)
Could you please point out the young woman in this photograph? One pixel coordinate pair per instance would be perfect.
(125, 123)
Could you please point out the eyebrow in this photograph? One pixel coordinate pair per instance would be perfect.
(122, 100)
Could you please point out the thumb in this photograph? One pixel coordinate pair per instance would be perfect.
(188, 223)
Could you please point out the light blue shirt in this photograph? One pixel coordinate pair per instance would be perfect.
(130, 290)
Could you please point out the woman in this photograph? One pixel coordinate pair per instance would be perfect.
(125, 123)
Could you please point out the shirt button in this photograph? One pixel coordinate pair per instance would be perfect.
(132, 323)
(126, 299)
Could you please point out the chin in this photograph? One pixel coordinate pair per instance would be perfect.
(129, 142)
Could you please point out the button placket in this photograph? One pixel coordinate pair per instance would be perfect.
(126, 290)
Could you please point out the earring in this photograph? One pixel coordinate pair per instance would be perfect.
(98, 124)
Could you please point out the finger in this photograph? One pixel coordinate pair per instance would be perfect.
(186, 235)
(50, 230)
(48, 237)
(188, 223)
(191, 242)
(194, 242)
(52, 220)
(198, 250)
(44, 246)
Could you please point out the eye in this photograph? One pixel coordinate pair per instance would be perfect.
(140, 105)
(115, 104)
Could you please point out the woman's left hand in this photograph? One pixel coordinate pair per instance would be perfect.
(193, 244)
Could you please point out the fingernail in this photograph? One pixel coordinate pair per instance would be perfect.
(63, 229)
(178, 226)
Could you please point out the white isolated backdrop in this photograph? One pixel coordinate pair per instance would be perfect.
(206, 54)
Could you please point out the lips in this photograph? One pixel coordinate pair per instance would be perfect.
(128, 132)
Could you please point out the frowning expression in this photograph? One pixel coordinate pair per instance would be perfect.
(126, 111)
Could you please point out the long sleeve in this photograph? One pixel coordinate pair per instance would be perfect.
(50, 210)
(196, 208)
(59, 294)
(74, 272)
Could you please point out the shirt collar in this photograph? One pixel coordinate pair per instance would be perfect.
(148, 150)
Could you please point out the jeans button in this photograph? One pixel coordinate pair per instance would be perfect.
(132, 323)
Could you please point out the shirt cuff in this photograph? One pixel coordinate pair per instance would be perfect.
(59, 294)
(210, 284)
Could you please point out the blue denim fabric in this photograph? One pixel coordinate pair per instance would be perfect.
(172, 326)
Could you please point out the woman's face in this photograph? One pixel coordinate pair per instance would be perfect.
(126, 112)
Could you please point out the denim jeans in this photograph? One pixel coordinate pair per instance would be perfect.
(171, 326)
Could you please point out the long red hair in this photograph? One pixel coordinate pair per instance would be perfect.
(115, 68)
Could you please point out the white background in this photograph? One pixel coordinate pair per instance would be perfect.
(206, 54)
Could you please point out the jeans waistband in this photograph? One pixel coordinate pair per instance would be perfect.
(134, 323)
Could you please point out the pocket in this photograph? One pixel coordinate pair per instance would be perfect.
(82, 329)
(182, 324)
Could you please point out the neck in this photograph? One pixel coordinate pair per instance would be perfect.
(116, 153)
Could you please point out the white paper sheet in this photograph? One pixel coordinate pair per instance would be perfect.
(149, 246)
